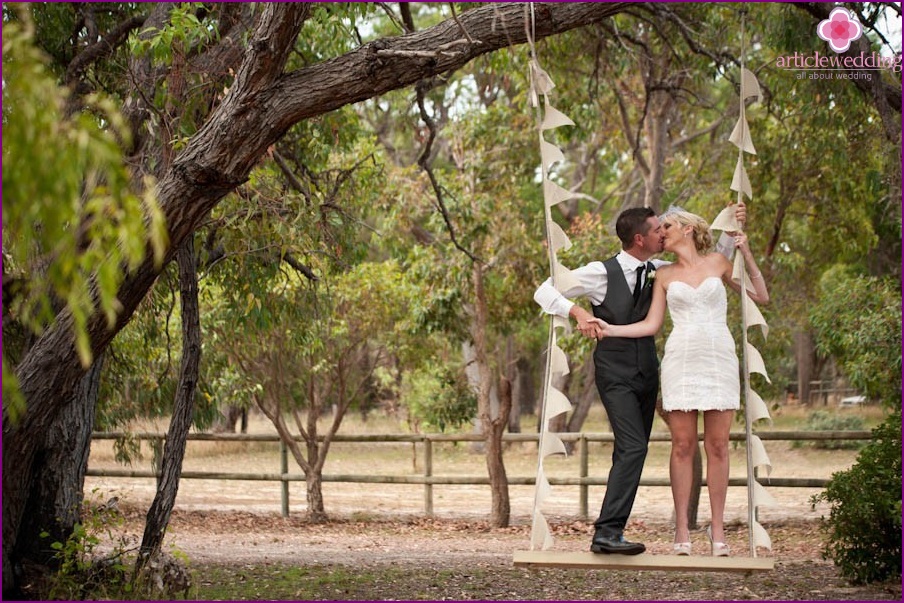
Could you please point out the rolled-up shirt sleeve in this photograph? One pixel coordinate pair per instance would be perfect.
(592, 281)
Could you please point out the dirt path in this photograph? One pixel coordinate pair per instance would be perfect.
(413, 558)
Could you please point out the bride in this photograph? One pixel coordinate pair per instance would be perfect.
(699, 367)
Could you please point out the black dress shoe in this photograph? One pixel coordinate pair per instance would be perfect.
(615, 545)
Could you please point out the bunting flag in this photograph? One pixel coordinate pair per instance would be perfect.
(752, 361)
(553, 401)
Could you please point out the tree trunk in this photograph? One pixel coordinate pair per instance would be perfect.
(804, 350)
(314, 493)
(55, 503)
(262, 104)
(492, 425)
(524, 392)
(161, 509)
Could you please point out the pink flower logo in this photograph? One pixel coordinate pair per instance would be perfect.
(840, 29)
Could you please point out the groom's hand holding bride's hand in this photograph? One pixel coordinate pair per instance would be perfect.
(588, 324)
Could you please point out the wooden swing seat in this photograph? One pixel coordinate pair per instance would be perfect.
(644, 561)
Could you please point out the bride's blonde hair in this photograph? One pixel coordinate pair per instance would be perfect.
(703, 238)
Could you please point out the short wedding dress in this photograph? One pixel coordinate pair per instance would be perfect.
(700, 365)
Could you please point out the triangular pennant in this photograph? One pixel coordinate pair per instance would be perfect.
(755, 362)
(726, 220)
(554, 194)
(563, 279)
(754, 317)
(550, 154)
(756, 408)
(544, 490)
(540, 538)
(560, 240)
(542, 81)
(553, 118)
(551, 444)
(761, 537)
(738, 273)
(761, 497)
(740, 182)
(558, 362)
(749, 85)
(758, 453)
(556, 403)
(560, 322)
(740, 136)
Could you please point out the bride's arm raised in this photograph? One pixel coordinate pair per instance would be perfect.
(760, 293)
(648, 326)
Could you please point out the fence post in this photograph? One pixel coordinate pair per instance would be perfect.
(428, 472)
(284, 474)
(585, 489)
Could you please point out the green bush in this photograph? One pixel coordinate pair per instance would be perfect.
(826, 421)
(864, 524)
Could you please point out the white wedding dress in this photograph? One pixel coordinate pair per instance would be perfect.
(700, 366)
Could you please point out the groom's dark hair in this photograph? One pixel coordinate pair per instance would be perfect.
(631, 222)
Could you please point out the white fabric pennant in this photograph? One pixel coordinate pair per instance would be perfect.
(755, 362)
(542, 82)
(754, 317)
(738, 273)
(726, 220)
(740, 181)
(559, 362)
(560, 322)
(750, 86)
(553, 118)
(556, 403)
(761, 497)
(551, 444)
(544, 490)
(563, 279)
(758, 452)
(757, 408)
(539, 533)
(740, 136)
(550, 154)
(554, 194)
(560, 240)
(761, 536)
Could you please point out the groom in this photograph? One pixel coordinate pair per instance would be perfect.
(627, 370)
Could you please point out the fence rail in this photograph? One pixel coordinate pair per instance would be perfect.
(428, 479)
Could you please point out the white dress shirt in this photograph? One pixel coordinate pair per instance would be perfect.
(594, 282)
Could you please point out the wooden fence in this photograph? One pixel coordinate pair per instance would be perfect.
(428, 479)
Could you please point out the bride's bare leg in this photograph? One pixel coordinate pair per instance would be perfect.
(716, 427)
(683, 426)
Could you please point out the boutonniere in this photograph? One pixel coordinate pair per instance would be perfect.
(650, 276)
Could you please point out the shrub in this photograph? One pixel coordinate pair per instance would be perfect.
(825, 421)
(864, 524)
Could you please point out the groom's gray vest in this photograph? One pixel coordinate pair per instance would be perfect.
(620, 358)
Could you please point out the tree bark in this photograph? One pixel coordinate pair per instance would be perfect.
(261, 105)
(804, 350)
(492, 424)
(55, 502)
(161, 509)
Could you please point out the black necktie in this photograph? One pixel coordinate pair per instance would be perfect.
(639, 281)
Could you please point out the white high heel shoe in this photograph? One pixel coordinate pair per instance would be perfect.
(682, 548)
(719, 549)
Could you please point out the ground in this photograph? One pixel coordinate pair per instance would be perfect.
(415, 558)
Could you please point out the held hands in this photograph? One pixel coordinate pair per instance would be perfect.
(589, 325)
